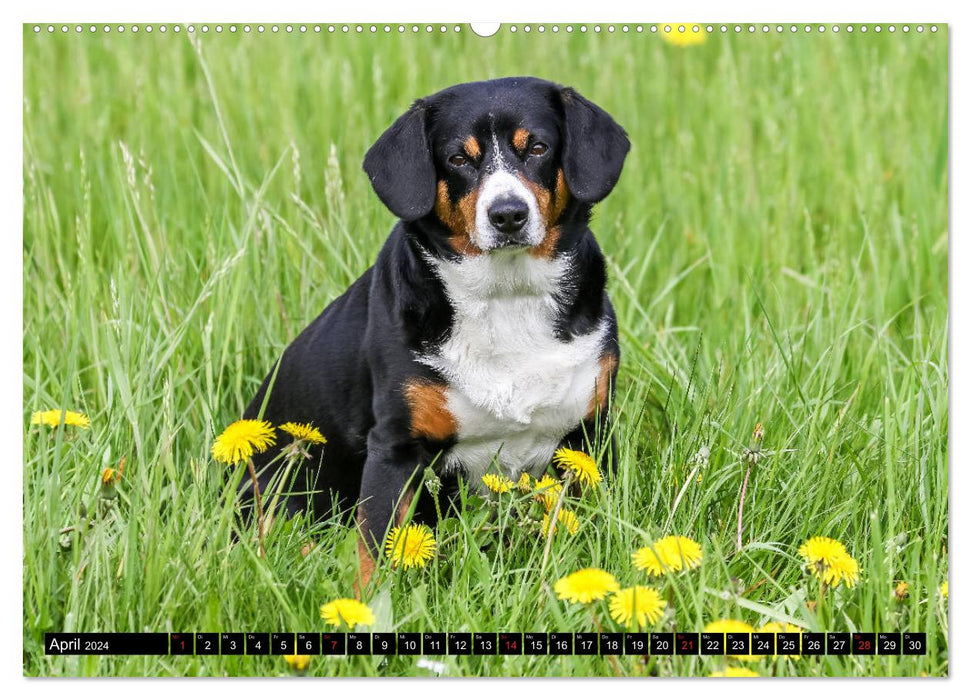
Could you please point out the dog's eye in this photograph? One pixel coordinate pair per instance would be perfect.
(458, 160)
(538, 149)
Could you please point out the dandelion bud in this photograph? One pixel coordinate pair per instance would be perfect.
(109, 479)
(753, 453)
(758, 434)
(432, 482)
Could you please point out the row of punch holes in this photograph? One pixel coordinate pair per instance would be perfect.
(481, 30)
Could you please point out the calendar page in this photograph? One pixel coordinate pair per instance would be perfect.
(511, 350)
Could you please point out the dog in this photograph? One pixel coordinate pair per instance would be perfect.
(482, 337)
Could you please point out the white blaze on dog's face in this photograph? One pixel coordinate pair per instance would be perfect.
(507, 164)
(506, 214)
(501, 192)
(499, 181)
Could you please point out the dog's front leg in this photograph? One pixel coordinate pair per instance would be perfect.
(388, 486)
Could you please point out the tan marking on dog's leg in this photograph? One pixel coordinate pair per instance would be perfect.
(404, 505)
(428, 404)
(601, 389)
(367, 564)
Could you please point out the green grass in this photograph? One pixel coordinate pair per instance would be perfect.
(777, 251)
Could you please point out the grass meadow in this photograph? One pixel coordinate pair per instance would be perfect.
(778, 254)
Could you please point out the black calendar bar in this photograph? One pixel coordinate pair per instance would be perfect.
(485, 643)
(106, 643)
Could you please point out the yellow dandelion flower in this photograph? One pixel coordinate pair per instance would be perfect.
(565, 517)
(346, 611)
(846, 570)
(729, 625)
(901, 591)
(683, 33)
(822, 549)
(735, 672)
(647, 560)
(580, 463)
(305, 432)
(56, 416)
(241, 439)
(586, 585)
(944, 590)
(637, 606)
(828, 560)
(525, 483)
(778, 627)
(412, 545)
(672, 553)
(547, 491)
(497, 483)
(109, 476)
(298, 662)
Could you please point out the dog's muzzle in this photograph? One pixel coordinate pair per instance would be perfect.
(508, 216)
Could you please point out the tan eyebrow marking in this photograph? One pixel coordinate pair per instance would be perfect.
(519, 139)
(472, 147)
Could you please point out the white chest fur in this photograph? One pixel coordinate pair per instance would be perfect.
(514, 389)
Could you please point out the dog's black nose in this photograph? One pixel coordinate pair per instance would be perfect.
(508, 215)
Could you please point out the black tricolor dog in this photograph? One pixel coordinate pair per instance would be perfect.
(483, 334)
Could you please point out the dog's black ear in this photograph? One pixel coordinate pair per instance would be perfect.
(594, 148)
(400, 166)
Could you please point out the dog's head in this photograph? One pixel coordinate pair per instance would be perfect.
(498, 164)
